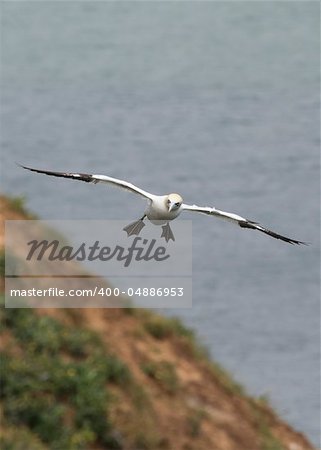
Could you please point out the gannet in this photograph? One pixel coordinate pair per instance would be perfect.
(161, 209)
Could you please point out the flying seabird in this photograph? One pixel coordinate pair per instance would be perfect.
(163, 208)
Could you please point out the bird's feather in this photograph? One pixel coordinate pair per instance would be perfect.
(89, 178)
(239, 220)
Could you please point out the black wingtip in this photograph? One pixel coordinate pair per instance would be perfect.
(30, 168)
(25, 167)
(284, 238)
(303, 243)
(256, 226)
(75, 176)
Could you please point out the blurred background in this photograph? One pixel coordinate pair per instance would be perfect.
(217, 101)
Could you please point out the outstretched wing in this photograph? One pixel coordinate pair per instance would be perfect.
(88, 178)
(239, 220)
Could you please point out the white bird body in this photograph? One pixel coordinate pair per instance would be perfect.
(164, 208)
(157, 210)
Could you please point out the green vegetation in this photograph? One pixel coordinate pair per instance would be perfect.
(166, 327)
(269, 442)
(54, 383)
(164, 373)
(162, 327)
(18, 204)
(227, 380)
(194, 422)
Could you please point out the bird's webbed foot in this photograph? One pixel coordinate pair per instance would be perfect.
(167, 233)
(134, 227)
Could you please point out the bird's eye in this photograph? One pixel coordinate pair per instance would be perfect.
(177, 204)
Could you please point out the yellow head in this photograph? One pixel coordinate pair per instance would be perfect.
(174, 202)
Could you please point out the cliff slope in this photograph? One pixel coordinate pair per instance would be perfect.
(121, 378)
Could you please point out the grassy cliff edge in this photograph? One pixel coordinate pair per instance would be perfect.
(120, 379)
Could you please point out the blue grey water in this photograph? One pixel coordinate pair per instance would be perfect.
(217, 101)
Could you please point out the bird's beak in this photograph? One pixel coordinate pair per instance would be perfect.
(171, 206)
